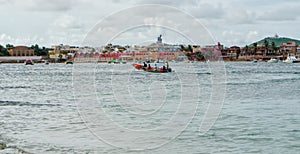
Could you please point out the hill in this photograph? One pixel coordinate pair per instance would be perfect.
(277, 40)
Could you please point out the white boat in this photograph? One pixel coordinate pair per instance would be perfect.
(254, 61)
(273, 60)
(291, 59)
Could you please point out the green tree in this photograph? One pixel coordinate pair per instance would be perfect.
(238, 52)
(36, 49)
(8, 46)
(190, 49)
(189, 52)
(64, 52)
(182, 48)
(199, 56)
(44, 51)
(255, 48)
(266, 45)
(246, 49)
(189, 56)
(274, 47)
(39, 51)
(3, 51)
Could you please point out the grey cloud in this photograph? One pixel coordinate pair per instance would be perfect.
(69, 20)
(176, 3)
(207, 11)
(40, 5)
(52, 5)
(285, 13)
(129, 19)
(240, 16)
(2, 2)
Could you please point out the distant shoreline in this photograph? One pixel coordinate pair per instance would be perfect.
(227, 61)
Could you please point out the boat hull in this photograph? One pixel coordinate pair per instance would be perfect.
(292, 61)
(29, 62)
(273, 61)
(69, 62)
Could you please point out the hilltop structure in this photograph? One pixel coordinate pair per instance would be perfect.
(159, 39)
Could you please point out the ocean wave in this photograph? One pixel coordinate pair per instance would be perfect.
(15, 87)
(19, 103)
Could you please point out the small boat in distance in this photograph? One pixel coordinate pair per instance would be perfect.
(273, 60)
(117, 61)
(28, 62)
(254, 60)
(291, 59)
(69, 62)
(46, 62)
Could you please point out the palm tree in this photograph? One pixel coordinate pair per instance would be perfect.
(246, 50)
(274, 47)
(190, 49)
(238, 52)
(266, 44)
(8, 46)
(182, 48)
(255, 48)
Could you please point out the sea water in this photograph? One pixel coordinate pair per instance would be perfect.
(109, 108)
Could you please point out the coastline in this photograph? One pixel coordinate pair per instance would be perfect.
(97, 60)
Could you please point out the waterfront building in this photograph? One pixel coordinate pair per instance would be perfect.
(21, 51)
(59, 52)
(19, 54)
(289, 47)
(298, 51)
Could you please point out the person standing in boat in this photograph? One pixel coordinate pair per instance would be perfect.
(164, 68)
(156, 68)
(167, 63)
(145, 65)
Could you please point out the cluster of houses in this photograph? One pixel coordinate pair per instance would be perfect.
(264, 49)
(111, 52)
(267, 48)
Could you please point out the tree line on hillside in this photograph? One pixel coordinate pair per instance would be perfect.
(191, 55)
(38, 51)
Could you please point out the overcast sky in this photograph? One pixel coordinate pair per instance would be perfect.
(231, 22)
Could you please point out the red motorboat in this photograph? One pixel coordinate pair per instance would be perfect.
(152, 69)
